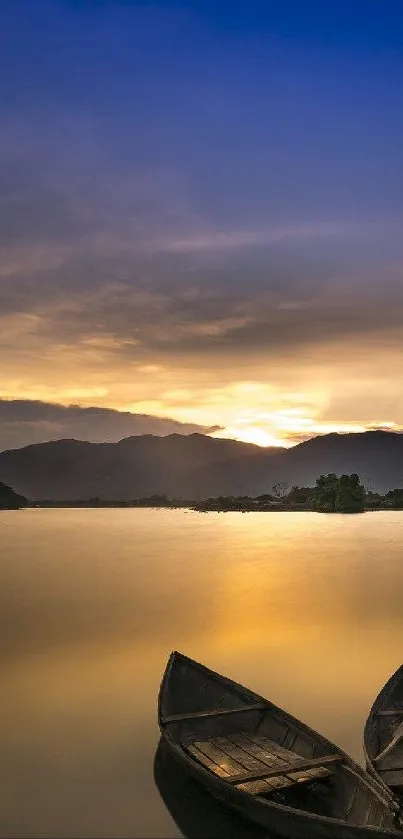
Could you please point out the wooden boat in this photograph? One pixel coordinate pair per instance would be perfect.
(383, 736)
(266, 764)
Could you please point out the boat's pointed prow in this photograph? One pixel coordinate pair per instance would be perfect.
(163, 697)
(188, 687)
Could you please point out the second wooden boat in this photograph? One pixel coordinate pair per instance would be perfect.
(383, 735)
(265, 763)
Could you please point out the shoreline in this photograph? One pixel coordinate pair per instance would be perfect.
(198, 507)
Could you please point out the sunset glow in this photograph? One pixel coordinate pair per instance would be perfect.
(199, 246)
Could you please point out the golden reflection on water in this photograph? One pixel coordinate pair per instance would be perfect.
(303, 608)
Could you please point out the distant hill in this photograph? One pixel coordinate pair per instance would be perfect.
(195, 466)
(10, 500)
(133, 467)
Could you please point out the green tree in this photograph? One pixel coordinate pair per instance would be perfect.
(350, 494)
(344, 494)
(326, 493)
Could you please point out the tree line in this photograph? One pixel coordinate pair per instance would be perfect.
(331, 494)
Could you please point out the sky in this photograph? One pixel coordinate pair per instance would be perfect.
(200, 218)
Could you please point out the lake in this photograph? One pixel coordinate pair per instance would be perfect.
(303, 608)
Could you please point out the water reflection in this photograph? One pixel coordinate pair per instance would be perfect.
(197, 814)
(302, 608)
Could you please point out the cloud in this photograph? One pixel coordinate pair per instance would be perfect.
(24, 421)
(234, 239)
(125, 345)
(134, 321)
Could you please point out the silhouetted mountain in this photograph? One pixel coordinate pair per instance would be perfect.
(195, 466)
(10, 500)
(133, 467)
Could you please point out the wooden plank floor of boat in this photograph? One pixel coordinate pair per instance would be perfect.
(236, 757)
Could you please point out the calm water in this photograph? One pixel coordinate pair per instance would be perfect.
(303, 608)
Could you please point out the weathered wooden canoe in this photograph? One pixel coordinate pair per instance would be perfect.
(266, 764)
(383, 736)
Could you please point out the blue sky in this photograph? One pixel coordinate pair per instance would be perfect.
(200, 211)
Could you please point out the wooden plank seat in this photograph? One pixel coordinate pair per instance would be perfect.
(216, 712)
(257, 764)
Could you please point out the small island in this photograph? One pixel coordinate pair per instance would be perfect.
(331, 494)
(10, 500)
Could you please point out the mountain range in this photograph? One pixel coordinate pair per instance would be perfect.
(195, 466)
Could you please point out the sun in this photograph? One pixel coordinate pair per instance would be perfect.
(252, 434)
